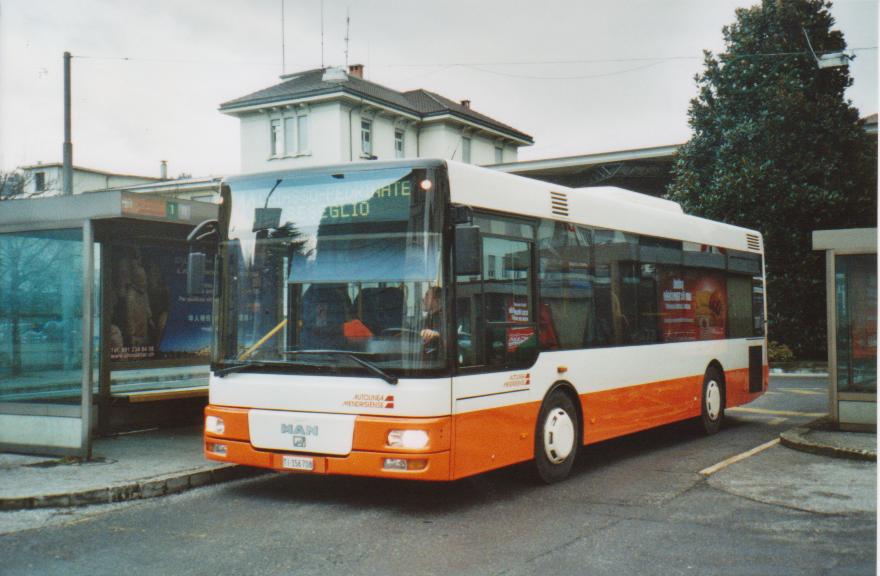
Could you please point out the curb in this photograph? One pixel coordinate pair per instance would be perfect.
(796, 440)
(136, 490)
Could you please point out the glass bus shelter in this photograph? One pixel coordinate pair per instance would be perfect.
(95, 318)
(851, 288)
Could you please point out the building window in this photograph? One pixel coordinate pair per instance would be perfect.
(289, 136)
(499, 154)
(275, 138)
(367, 137)
(40, 181)
(302, 134)
(465, 149)
(398, 144)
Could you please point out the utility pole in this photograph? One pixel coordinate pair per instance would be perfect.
(67, 171)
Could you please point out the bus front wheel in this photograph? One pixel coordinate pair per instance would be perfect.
(556, 437)
(713, 401)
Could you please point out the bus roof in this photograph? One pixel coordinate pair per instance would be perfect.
(603, 207)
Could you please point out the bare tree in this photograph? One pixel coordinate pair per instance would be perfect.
(16, 185)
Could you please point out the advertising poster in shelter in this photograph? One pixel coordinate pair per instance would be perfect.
(693, 306)
(151, 315)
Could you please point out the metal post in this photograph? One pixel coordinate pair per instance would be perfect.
(106, 313)
(88, 278)
(831, 316)
(67, 172)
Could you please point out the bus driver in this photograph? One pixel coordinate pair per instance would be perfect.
(432, 322)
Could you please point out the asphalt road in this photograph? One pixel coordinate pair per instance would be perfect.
(635, 505)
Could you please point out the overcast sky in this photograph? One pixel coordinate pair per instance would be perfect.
(148, 75)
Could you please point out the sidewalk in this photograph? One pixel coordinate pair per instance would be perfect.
(125, 467)
(818, 438)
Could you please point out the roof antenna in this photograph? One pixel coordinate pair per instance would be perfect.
(322, 34)
(347, 28)
(283, 67)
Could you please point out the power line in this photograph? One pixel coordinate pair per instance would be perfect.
(584, 77)
(605, 60)
(648, 62)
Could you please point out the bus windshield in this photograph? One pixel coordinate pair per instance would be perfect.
(333, 273)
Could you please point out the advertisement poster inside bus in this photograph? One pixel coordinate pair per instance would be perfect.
(693, 306)
(518, 311)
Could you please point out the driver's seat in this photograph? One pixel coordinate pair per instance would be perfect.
(380, 308)
(325, 309)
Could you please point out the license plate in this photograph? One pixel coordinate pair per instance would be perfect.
(297, 463)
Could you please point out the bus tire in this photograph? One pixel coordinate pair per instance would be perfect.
(557, 437)
(712, 411)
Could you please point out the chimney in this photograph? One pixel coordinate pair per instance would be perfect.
(466, 104)
(356, 70)
(163, 170)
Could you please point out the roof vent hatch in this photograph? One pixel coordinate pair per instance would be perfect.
(753, 241)
(559, 203)
(334, 75)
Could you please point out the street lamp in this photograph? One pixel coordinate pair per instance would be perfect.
(829, 60)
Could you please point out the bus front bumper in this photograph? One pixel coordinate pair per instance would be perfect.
(370, 455)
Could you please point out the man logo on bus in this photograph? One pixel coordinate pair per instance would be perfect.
(299, 430)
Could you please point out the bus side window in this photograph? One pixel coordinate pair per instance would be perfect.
(511, 337)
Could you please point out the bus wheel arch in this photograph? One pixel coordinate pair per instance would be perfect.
(713, 398)
(558, 433)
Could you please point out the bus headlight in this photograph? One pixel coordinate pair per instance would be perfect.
(412, 439)
(214, 425)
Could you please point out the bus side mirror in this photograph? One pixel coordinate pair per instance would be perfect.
(467, 251)
(195, 273)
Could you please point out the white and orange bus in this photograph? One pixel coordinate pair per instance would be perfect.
(433, 320)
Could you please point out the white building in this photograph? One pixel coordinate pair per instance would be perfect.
(41, 180)
(47, 180)
(327, 116)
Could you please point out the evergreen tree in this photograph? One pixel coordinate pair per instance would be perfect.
(777, 147)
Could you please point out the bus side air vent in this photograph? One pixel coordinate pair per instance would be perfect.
(559, 203)
(753, 241)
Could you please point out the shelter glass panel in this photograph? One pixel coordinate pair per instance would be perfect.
(856, 300)
(41, 289)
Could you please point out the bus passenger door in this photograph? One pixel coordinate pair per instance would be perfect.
(497, 343)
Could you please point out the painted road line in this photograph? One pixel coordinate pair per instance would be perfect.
(734, 459)
(806, 391)
(776, 421)
(776, 412)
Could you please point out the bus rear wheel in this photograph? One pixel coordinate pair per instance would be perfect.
(712, 412)
(557, 437)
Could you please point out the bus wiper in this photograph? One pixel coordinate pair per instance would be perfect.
(390, 378)
(230, 368)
